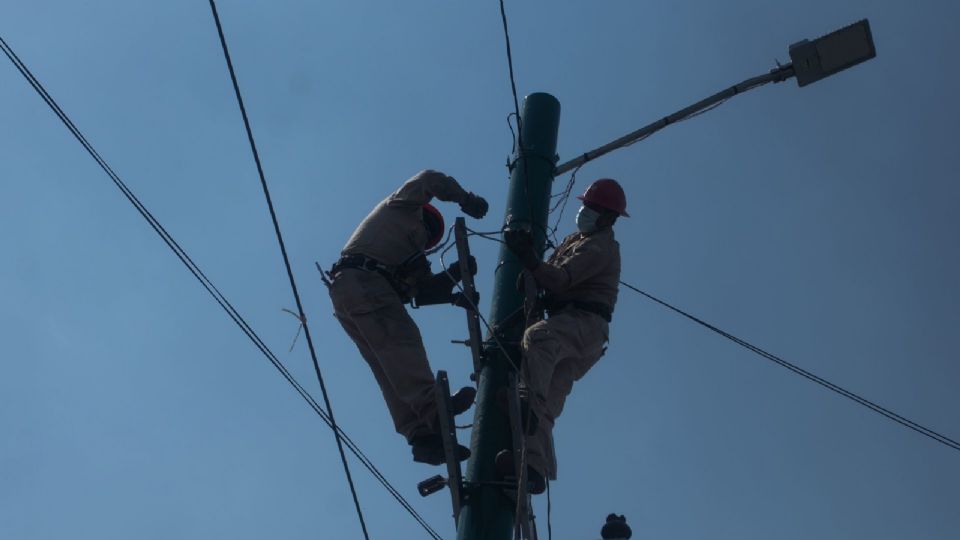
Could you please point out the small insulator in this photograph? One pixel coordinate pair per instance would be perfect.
(616, 528)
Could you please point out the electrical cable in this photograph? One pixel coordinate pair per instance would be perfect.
(562, 203)
(521, 154)
(441, 245)
(487, 235)
(195, 270)
(473, 306)
(286, 263)
(513, 134)
(943, 439)
(549, 512)
(513, 82)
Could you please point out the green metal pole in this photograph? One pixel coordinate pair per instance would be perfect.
(487, 513)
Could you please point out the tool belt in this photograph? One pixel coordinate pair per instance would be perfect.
(362, 262)
(395, 275)
(597, 308)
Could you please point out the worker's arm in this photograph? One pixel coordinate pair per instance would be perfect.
(585, 262)
(428, 184)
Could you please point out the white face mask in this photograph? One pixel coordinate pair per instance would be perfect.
(587, 220)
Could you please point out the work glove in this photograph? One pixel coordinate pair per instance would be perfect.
(474, 206)
(520, 242)
(454, 269)
(436, 289)
(459, 299)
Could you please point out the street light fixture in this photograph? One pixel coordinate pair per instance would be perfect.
(832, 53)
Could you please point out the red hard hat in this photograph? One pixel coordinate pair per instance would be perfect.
(434, 221)
(606, 193)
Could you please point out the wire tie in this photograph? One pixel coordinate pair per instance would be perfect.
(303, 322)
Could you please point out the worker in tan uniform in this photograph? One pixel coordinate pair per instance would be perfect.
(580, 282)
(384, 266)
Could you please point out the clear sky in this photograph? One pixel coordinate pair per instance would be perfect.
(820, 223)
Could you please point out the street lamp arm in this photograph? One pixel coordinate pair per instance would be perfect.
(778, 74)
(812, 60)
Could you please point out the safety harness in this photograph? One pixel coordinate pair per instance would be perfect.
(597, 308)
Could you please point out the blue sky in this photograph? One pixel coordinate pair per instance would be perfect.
(819, 223)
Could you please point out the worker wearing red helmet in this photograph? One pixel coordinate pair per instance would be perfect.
(384, 266)
(580, 282)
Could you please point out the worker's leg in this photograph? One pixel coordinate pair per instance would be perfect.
(402, 414)
(575, 340)
(371, 313)
(543, 348)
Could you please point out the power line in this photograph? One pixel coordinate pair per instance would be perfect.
(943, 439)
(518, 141)
(513, 82)
(205, 281)
(286, 263)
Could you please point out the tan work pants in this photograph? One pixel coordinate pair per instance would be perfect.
(371, 312)
(557, 352)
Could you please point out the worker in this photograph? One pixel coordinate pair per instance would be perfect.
(384, 266)
(580, 282)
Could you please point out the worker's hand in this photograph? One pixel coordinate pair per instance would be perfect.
(460, 300)
(454, 269)
(474, 206)
(520, 242)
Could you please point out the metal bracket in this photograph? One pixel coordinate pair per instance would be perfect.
(469, 291)
(524, 510)
(526, 154)
(431, 485)
(448, 433)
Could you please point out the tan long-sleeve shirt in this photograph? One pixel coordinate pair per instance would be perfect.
(583, 268)
(394, 230)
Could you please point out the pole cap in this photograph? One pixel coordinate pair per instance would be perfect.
(616, 528)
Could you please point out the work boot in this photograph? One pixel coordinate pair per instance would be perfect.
(504, 464)
(428, 449)
(462, 400)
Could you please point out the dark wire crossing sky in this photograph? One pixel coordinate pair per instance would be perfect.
(816, 223)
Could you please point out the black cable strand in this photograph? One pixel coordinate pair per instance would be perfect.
(483, 320)
(441, 245)
(549, 511)
(286, 262)
(521, 154)
(131, 197)
(489, 236)
(562, 203)
(807, 375)
(513, 134)
(195, 270)
(513, 82)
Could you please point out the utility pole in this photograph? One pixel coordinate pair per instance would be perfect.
(487, 513)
